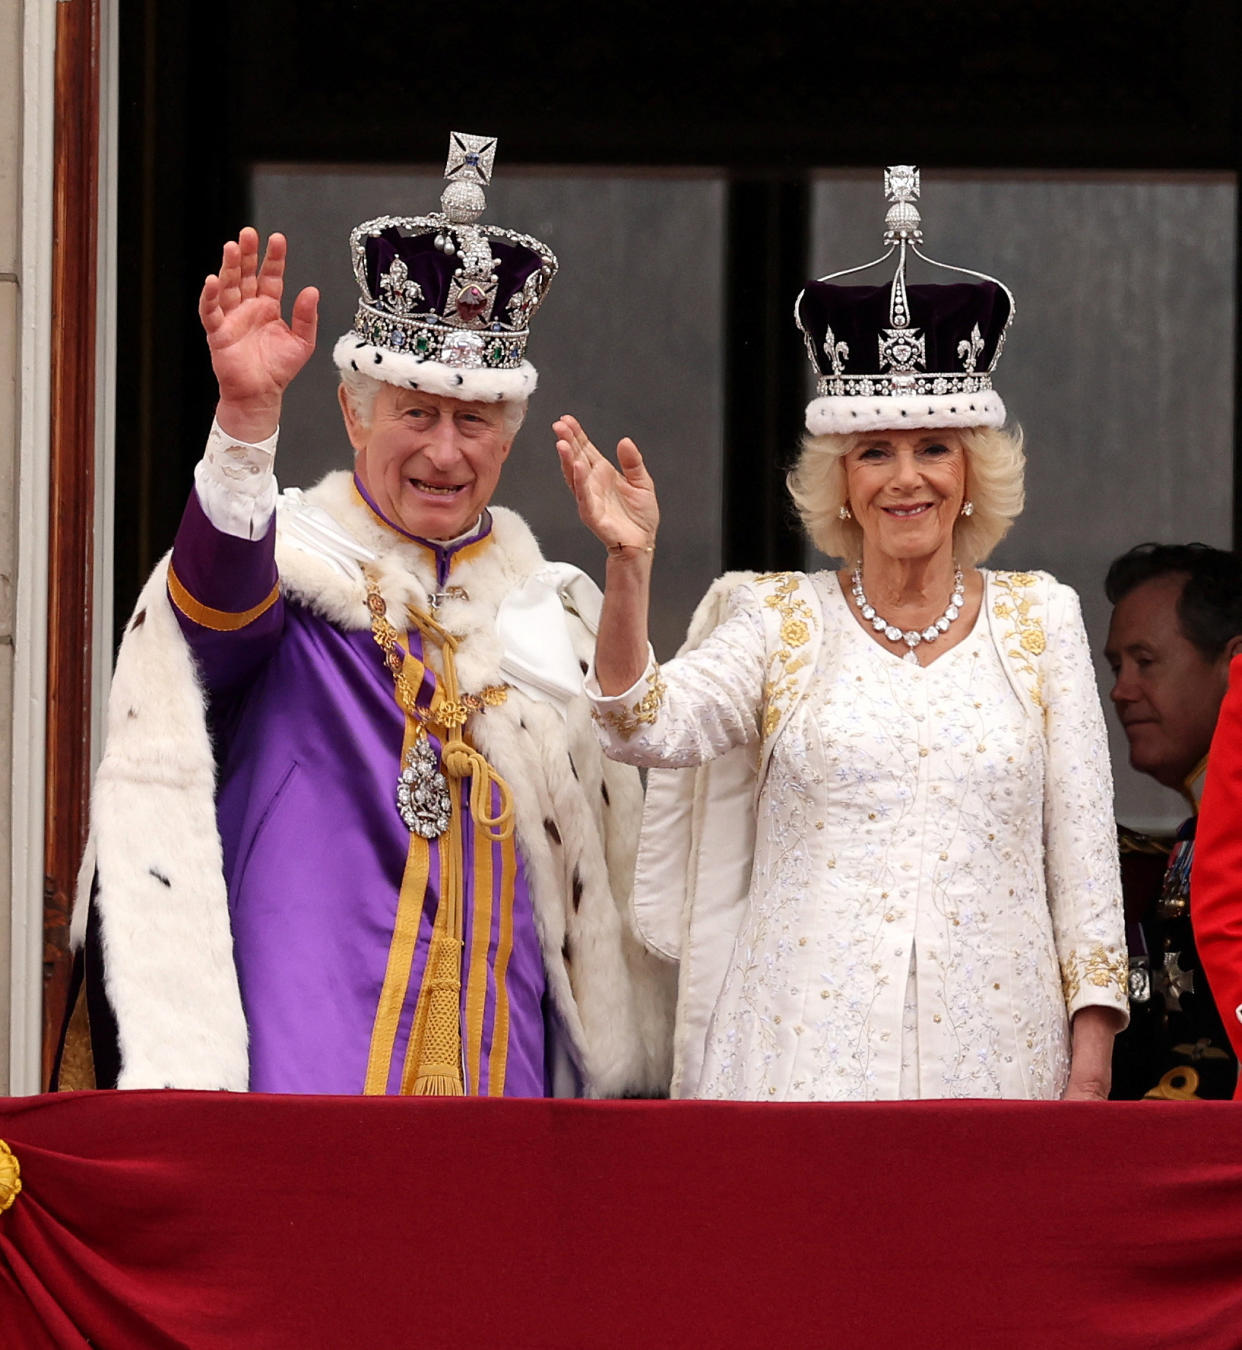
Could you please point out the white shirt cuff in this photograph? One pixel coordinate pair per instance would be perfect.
(236, 484)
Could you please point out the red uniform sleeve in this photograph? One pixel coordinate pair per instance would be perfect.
(1216, 873)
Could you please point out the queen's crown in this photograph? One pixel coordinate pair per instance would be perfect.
(900, 339)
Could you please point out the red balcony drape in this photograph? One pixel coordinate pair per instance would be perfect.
(208, 1220)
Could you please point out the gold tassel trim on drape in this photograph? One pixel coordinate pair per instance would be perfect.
(10, 1177)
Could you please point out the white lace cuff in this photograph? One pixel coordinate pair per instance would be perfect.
(236, 484)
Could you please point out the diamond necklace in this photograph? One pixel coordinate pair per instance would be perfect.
(910, 636)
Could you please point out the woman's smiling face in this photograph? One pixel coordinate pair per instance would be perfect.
(906, 490)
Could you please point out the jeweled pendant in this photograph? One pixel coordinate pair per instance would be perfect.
(423, 800)
(910, 659)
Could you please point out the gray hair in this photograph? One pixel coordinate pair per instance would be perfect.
(362, 391)
(994, 476)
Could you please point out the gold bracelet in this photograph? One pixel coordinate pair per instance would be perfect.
(620, 550)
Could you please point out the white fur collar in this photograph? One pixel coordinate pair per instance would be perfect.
(482, 576)
(321, 585)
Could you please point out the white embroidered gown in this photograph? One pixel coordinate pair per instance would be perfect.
(935, 888)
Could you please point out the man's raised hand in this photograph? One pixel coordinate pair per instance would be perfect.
(255, 354)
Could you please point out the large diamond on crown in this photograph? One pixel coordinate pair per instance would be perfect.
(465, 351)
(902, 349)
(901, 182)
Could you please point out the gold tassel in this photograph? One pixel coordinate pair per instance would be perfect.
(436, 1073)
(439, 1062)
(433, 1061)
(459, 759)
(433, 1057)
(436, 1062)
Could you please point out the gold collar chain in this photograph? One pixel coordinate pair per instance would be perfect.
(452, 708)
(449, 710)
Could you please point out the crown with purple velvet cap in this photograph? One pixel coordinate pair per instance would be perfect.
(902, 354)
(447, 302)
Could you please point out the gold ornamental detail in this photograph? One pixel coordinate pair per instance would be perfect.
(1026, 640)
(10, 1176)
(626, 722)
(779, 591)
(1101, 968)
(448, 713)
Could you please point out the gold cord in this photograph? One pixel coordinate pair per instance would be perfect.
(433, 1061)
(459, 759)
(449, 710)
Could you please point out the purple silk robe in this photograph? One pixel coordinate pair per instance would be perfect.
(308, 740)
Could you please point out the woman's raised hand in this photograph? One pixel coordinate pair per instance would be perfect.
(255, 354)
(617, 504)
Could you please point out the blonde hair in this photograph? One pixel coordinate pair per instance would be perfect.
(994, 470)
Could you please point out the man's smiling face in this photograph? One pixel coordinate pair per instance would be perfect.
(429, 463)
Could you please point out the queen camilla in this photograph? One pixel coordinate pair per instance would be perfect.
(879, 835)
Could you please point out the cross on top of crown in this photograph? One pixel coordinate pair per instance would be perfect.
(470, 158)
(901, 183)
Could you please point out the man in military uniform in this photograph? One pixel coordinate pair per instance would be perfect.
(1176, 624)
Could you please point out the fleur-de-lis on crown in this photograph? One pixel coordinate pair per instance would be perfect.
(400, 292)
(837, 352)
(969, 348)
(526, 301)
